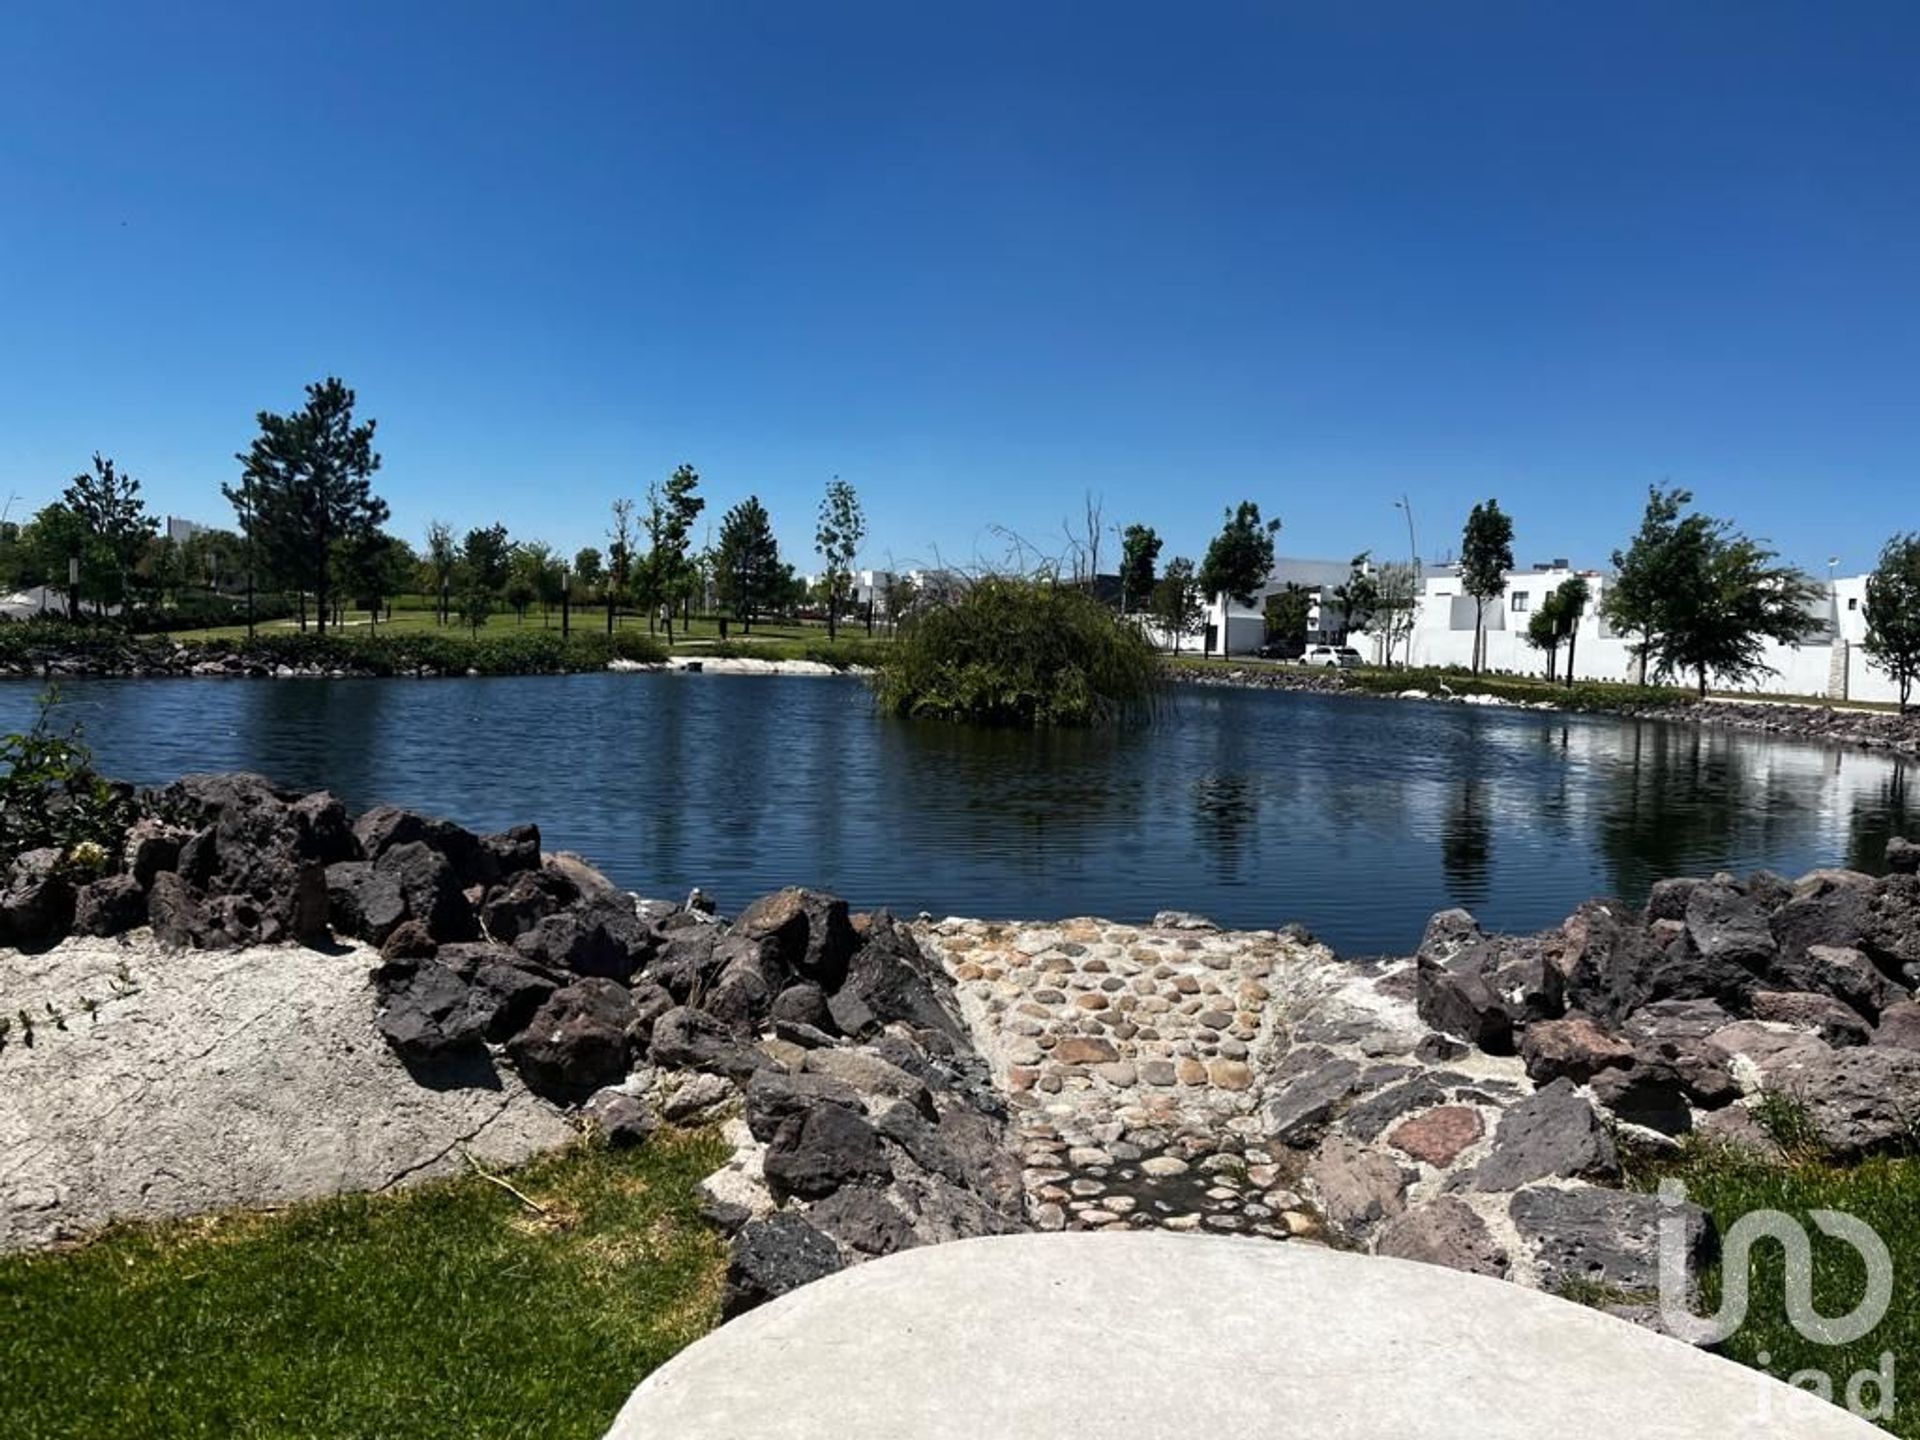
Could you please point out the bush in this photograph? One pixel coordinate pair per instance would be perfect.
(50, 795)
(407, 652)
(1020, 653)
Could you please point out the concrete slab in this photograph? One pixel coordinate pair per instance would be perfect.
(174, 1084)
(1033, 1337)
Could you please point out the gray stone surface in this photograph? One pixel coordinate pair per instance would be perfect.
(1127, 1336)
(224, 1078)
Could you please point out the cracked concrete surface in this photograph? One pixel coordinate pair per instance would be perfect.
(203, 1080)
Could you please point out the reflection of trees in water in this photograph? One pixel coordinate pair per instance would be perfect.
(1225, 809)
(1676, 794)
(1875, 817)
(1466, 841)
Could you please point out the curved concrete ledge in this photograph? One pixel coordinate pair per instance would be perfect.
(1032, 1337)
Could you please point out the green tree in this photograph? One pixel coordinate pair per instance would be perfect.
(117, 529)
(485, 560)
(1704, 598)
(216, 559)
(588, 570)
(1398, 606)
(1139, 552)
(1287, 613)
(1240, 558)
(747, 562)
(671, 509)
(306, 483)
(620, 567)
(1643, 577)
(1358, 596)
(1486, 555)
(1544, 632)
(1571, 599)
(373, 568)
(1177, 600)
(442, 559)
(1893, 612)
(48, 542)
(842, 526)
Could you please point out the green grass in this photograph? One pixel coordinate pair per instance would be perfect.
(450, 1310)
(1884, 1192)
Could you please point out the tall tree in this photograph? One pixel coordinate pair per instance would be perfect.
(587, 569)
(1139, 552)
(1287, 612)
(117, 527)
(747, 562)
(485, 559)
(1240, 557)
(620, 540)
(1893, 613)
(1486, 555)
(1358, 596)
(1644, 573)
(443, 558)
(373, 568)
(1398, 605)
(1570, 600)
(842, 526)
(306, 483)
(671, 509)
(1544, 631)
(1177, 600)
(1717, 619)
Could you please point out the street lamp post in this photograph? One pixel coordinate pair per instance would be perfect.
(566, 604)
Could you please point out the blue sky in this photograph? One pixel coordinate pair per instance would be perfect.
(981, 259)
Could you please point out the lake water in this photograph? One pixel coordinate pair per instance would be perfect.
(1357, 817)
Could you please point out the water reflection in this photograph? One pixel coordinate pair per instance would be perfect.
(1357, 817)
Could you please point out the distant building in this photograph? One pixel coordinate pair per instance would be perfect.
(180, 531)
(1231, 628)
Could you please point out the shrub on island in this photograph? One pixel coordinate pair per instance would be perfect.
(1022, 653)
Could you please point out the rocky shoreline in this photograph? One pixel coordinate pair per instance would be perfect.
(886, 1083)
(1825, 724)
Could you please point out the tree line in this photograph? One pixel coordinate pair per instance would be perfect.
(310, 540)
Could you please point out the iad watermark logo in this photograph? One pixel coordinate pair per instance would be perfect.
(1736, 1248)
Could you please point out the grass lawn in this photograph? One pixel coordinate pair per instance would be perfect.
(451, 1310)
(1885, 1193)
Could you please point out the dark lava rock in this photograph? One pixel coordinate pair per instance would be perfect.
(577, 1040)
(1306, 1089)
(1829, 907)
(1456, 998)
(623, 1121)
(815, 1153)
(813, 931)
(685, 963)
(111, 905)
(774, 1098)
(889, 979)
(1833, 1022)
(863, 1219)
(1724, 924)
(1843, 973)
(513, 851)
(1553, 1133)
(37, 905)
(1903, 856)
(150, 847)
(430, 888)
(1575, 1046)
(177, 913)
(515, 907)
(771, 1257)
(362, 904)
(1899, 1026)
(596, 936)
(803, 1003)
(410, 940)
(428, 1013)
(1587, 1235)
(1447, 1232)
(1650, 1092)
(386, 827)
(1860, 1100)
(687, 1039)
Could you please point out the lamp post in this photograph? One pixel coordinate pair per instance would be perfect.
(566, 604)
(1405, 505)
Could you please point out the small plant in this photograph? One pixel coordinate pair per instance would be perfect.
(1790, 1125)
(50, 795)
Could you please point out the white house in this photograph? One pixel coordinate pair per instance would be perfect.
(1230, 628)
(1828, 662)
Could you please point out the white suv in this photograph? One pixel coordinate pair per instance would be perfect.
(1343, 656)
